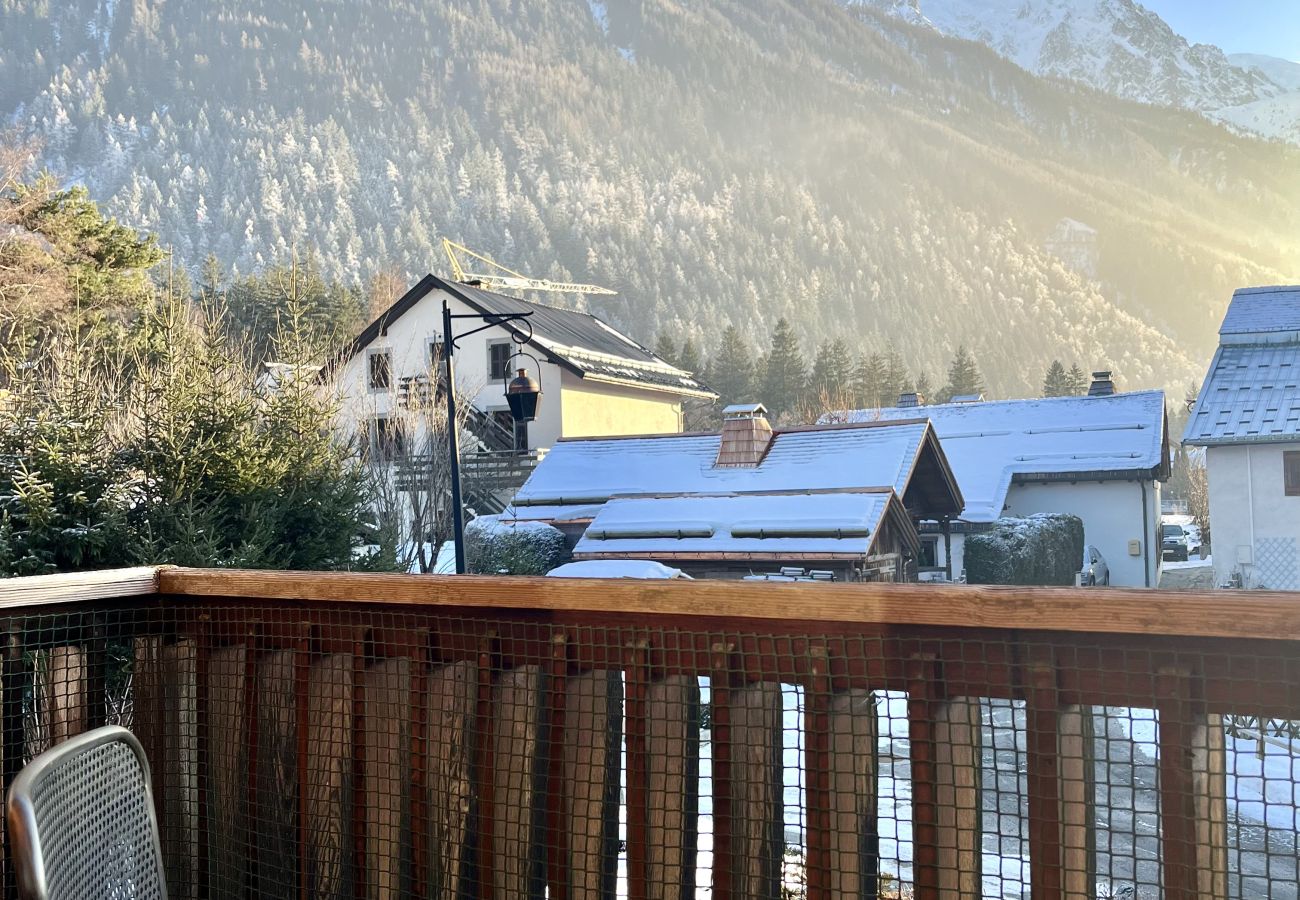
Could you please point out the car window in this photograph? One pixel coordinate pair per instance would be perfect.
(1173, 531)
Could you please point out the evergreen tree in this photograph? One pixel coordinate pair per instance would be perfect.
(924, 389)
(963, 376)
(896, 378)
(832, 374)
(785, 380)
(665, 349)
(731, 371)
(1077, 381)
(869, 380)
(1057, 382)
(688, 358)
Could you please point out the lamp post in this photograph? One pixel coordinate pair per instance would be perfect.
(522, 394)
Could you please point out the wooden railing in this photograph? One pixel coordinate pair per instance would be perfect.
(390, 736)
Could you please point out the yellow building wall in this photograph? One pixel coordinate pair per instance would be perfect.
(590, 409)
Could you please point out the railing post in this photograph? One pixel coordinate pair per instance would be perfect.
(673, 785)
(922, 688)
(720, 690)
(854, 795)
(1193, 790)
(557, 825)
(485, 773)
(817, 725)
(638, 797)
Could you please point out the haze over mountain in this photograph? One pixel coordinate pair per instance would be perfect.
(716, 163)
(1125, 49)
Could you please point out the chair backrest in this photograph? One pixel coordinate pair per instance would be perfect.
(82, 823)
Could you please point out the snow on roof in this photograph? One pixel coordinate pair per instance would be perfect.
(615, 568)
(1251, 394)
(1265, 313)
(990, 444)
(771, 524)
(577, 476)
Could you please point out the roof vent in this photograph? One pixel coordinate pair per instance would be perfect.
(746, 435)
(910, 399)
(967, 398)
(1102, 385)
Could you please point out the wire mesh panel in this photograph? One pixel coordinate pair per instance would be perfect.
(339, 749)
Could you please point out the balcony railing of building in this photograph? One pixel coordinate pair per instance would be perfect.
(337, 735)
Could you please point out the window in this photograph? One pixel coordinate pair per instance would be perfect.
(381, 370)
(499, 360)
(1291, 472)
(928, 558)
(384, 437)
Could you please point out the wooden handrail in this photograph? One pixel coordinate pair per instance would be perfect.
(1221, 614)
(42, 590)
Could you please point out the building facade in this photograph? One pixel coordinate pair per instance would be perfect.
(1247, 417)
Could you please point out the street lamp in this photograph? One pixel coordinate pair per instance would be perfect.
(522, 394)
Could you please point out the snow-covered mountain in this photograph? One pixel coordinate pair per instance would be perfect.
(1125, 49)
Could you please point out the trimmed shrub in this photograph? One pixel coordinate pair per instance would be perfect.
(494, 547)
(1043, 549)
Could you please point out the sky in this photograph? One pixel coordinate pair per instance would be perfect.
(1238, 26)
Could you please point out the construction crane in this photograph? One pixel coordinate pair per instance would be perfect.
(502, 277)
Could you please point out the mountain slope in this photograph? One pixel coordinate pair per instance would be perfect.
(728, 163)
(1122, 48)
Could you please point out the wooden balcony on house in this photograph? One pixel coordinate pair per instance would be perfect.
(338, 735)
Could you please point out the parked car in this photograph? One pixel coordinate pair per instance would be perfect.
(1094, 571)
(1174, 544)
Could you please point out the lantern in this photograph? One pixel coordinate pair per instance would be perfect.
(523, 394)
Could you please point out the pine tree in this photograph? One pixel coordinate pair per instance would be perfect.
(688, 358)
(731, 371)
(1077, 381)
(785, 380)
(665, 349)
(896, 378)
(964, 376)
(869, 380)
(1057, 382)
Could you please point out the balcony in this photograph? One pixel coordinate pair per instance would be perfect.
(337, 735)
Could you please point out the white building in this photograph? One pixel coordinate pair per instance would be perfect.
(1101, 458)
(594, 379)
(1247, 416)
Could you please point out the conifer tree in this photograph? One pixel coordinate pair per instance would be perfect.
(1057, 382)
(785, 380)
(665, 349)
(869, 380)
(963, 376)
(832, 372)
(688, 358)
(1078, 382)
(731, 371)
(924, 389)
(896, 378)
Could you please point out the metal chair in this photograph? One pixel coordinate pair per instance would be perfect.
(82, 823)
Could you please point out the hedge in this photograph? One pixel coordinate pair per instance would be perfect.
(1043, 549)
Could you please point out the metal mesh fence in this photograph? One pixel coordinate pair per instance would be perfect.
(341, 750)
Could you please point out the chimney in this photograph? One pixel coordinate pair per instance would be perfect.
(909, 399)
(1102, 385)
(746, 435)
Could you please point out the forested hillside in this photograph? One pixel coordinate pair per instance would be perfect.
(718, 163)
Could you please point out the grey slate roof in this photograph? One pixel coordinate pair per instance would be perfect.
(1262, 311)
(576, 340)
(1251, 394)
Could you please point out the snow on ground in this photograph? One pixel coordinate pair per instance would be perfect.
(1193, 562)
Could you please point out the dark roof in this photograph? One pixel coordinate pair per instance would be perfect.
(1251, 394)
(575, 340)
(1263, 310)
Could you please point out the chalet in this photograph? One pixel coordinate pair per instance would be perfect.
(749, 498)
(1247, 417)
(594, 379)
(1100, 457)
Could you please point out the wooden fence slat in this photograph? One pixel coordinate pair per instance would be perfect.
(958, 763)
(922, 688)
(387, 779)
(854, 796)
(329, 783)
(1077, 769)
(228, 834)
(673, 786)
(276, 775)
(519, 772)
(452, 694)
(591, 782)
(63, 696)
(1043, 779)
(757, 827)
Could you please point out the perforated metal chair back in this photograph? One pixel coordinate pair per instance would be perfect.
(82, 823)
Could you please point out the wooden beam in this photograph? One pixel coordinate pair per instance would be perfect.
(673, 753)
(1263, 615)
(42, 590)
